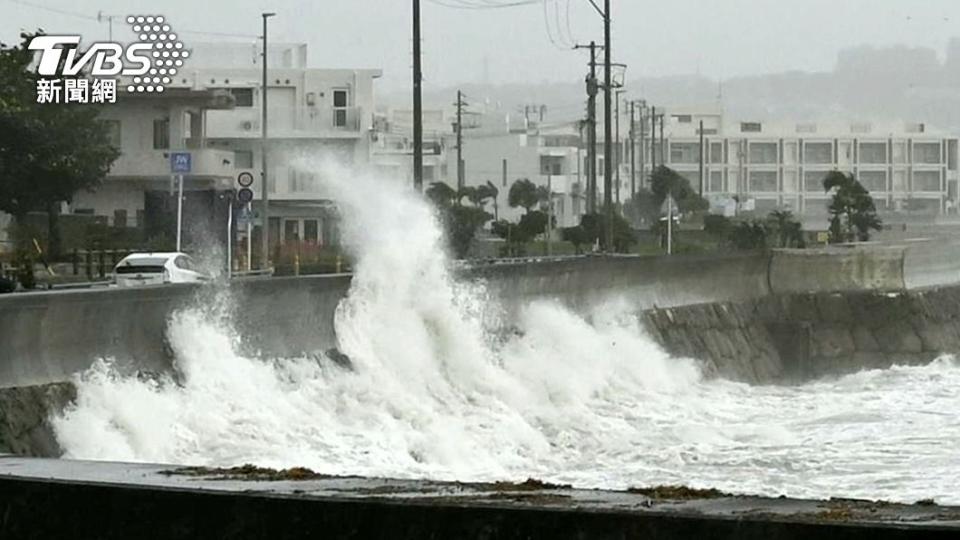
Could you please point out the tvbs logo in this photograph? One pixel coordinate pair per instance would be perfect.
(146, 65)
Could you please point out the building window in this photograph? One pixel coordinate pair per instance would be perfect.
(161, 134)
(552, 165)
(243, 159)
(926, 153)
(716, 152)
(291, 231)
(340, 108)
(120, 218)
(873, 180)
(716, 182)
(818, 153)
(763, 180)
(751, 127)
(926, 181)
(875, 153)
(113, 132)
(683, 118)
(684, 153)
(310, 231)
(813, 181)
(763, 153)
(861, 127)
(806, 128)
(243, 96)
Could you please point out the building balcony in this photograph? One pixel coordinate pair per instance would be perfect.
(205, 162)
(286, 123)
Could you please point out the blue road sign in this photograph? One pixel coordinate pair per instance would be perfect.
(180, 162)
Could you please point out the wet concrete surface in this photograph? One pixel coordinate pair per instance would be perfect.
(40, 496)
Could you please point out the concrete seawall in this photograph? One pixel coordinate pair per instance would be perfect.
(793, 338)
(48, 337)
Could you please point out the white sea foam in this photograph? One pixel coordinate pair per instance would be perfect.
(582, 398)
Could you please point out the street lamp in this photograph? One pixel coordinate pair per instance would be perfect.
(264, 186)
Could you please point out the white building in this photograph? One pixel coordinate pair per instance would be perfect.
(907, 167)
(392, 146)
(212, 109)
(146, 128)
(503, 148)
(313, 114)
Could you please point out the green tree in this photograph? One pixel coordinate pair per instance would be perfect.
(460, 222)
(778, 230)
(852, 211)
(524, 194)
(642, 208)
(665, 181)
(787, 231)
(623, 235)
(577, 236)
(749, 235)
(441, 195)
(717, 225)
(48, 152)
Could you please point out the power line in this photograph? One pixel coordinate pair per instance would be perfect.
(79, 15)
(55, 10)
(465, 4)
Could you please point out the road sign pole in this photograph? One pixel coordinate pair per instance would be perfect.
(230, 239)
(179, 210)
(249, 239)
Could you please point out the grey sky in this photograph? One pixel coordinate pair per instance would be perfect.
(720, 38)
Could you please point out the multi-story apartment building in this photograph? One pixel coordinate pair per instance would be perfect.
(146, 128)
(907, 167)
(312, 115)
(392, 146)
(212, 109)
(502, 149)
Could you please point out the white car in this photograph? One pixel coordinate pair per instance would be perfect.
(140, 269)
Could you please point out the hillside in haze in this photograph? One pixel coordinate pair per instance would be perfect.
(894, 83)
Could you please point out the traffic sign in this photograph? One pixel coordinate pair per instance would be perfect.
(180, 162)
(244, 195)
(245, 179)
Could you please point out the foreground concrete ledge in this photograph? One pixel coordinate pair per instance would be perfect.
(84, 499)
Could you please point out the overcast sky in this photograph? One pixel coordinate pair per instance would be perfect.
(718, 38)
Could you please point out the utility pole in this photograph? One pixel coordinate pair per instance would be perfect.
(653, 140)
(417, 102)
(701, 158)
(265, 226)
(549, 214)
(607, 129)
(592, 129)
(643, 145)
(460, 104)
(663, 143)
(633, 148)
(619, 152)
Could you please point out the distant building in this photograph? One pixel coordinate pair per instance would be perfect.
(502, 148)
(781, 165)
(392, 146)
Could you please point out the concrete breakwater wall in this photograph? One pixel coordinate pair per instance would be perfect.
(792, 338)
(48, 337)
